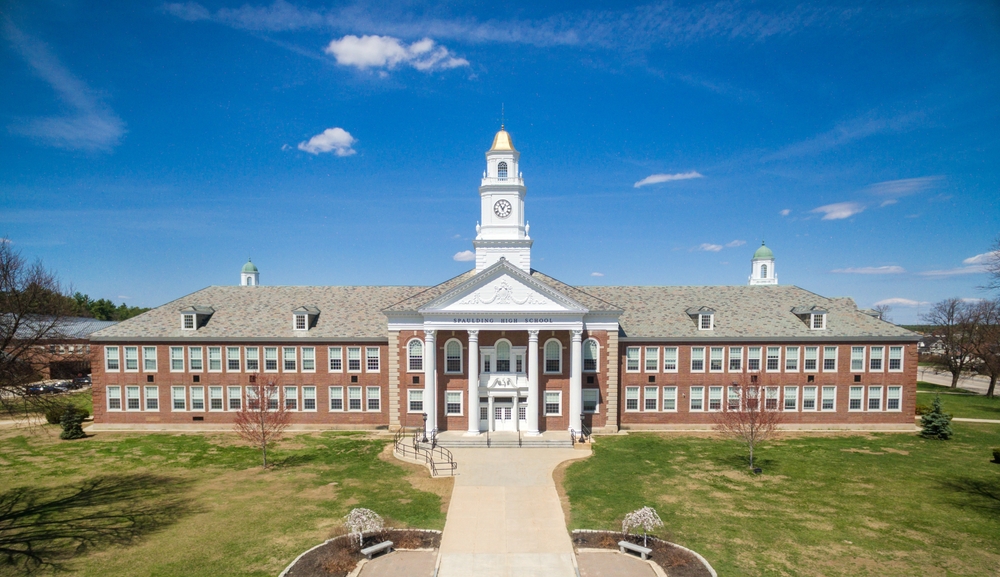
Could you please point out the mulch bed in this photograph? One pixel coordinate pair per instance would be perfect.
(676, 561)
(339, 556)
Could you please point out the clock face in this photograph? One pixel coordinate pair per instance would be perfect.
(502, 208)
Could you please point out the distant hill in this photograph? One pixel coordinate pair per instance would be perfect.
(923, 329)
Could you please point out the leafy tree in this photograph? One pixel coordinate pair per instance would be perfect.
(360, 521)
(645, 519)
(936, 424)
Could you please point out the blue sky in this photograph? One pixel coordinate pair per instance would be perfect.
(148, 148)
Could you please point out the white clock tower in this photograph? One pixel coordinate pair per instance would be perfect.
(503, 232)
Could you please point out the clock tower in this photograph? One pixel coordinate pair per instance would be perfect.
(503, 231)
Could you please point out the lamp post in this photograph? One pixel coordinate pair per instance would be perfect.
(424, 439)
(582, 438)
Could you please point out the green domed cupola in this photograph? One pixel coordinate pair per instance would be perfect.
(762, 266)
(251, 267)
(762, 252)
(249, 276)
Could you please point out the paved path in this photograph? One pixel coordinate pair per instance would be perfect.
(505, 519)
(401, 564)
(613, 564)
(975, 383)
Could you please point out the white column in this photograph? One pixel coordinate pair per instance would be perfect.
(473, 382)
(533, 406)
(576, 380)
(430, 382)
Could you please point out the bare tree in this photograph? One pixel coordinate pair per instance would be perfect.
(751, 414)
(883, 312)
(993, 266)
(986, 342)
(32, 307)
(262, 419)
(954, 320)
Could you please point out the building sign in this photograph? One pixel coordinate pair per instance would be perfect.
(504, 320)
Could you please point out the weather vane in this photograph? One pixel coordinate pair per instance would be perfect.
(501, 116)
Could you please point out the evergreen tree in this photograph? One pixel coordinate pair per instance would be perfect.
(71, 421)
(937, 423)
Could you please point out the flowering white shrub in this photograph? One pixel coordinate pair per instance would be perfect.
(360, 521)
(645, 519)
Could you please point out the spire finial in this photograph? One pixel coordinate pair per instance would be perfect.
(501, 116)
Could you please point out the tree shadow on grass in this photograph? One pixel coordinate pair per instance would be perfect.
(976, 493)
(45, 527)
(294, 460)
(741, 462)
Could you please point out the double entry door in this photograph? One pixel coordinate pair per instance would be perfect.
(509, 414)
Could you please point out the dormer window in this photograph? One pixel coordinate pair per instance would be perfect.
(303, 318)
(814, 316)
(818, 321)
(301, 322)
(704, 317)
(195, 317)
(188, 322)
(705, 321)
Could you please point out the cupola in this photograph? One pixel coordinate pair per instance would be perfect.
(249, 276)
(762, 267)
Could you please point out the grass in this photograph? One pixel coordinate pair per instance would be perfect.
(874, 504)
(190, 505)
(959, 403)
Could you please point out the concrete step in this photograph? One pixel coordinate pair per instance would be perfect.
(526, 443)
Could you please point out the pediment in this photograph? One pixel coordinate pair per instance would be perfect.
(503, 288)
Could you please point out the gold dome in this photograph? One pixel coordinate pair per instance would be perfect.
(503, 141)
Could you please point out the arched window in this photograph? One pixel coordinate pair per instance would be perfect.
(763, 271)
(503, 357)
(415, 354)
(249, 281)
(502, 171)
(553, 356)
(590, 355)
(453, 356)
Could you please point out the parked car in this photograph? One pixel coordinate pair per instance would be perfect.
(81, 382)
(42, 390)
(63, 386)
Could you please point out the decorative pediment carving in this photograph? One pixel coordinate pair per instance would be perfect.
(502, 294)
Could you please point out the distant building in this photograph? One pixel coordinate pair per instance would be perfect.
(64, 351)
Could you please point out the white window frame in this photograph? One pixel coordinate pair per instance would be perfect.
(335, 356)
(219, 359)
(360, 359)
(410, 357)
(597, 356)
(545, 358)
(812, 322)
(815, 398)
(114, 392)
(878, 399)
(881, 359)
(701, 321)
(371, 367)
(377, 398)
(655, 358)
(898, 397)
(238, 358)
(237, 397)
(596, 394)
(546, 403)
(772, 393)
(738, 358)
(715, 393)
(221, 398)
(697, 394)
(734, 398)
(900, 359)
(721, 359)
(410, 394)
(655, 398)
(175, 359)
(700, 357)
(155, 397)
(461, 404)
(633, 393)
(629, 359)
(768, 357)
(129, 390)
(836, 353)
(294, 398)
(200, 396)
(788, 359)
(276, 359)
(109, 359)
(135, 351)
(309, 394)
(754, 354)
(815, 359)
(308, 356)
(669, 394)
(174, 398)
(862, 360)
(461, 363)
(192, 359)
(187, 319)
(146, 358)
(336, 394)
(285, 360)
(247, 359)
(669, 367)
(360, 398)
(823, 398)
(300, 318)
(856, 393)
(794, 398)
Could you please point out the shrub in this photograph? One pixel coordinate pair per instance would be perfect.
(54, 414)
(996, 454)
(936, 423)
(923, 409)
(71, 420)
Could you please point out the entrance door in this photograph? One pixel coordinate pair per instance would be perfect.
(503, 415)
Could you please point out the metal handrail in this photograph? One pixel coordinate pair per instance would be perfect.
(519, 437)
(417, 452)
(487, 438)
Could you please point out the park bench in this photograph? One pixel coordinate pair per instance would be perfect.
(642, 551)
(370, 552)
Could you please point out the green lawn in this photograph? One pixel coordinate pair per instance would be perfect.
(959, 403)
(189, 505)
(874, 504)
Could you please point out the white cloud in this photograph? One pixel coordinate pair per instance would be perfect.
(735, 243)
(464, 256)
(336, 140)
(658, 178)
(985, 258)
(871, 270)
(888, 202)
(846, 133)
(710, 247)
(123, 297)
(973, 269)
(903, 186)
(901, 302)
(785, 212)
(972, 300)
(839, 210)
(388, 52)
(597, 274)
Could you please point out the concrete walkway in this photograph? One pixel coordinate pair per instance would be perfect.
(505, 519)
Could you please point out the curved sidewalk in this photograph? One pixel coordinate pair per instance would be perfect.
(505, 518)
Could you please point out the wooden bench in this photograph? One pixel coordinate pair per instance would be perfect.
(384, 546)
(642, 551)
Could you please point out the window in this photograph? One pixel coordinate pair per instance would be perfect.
(591, 398)
(705, 322)
(735, 359)
(503, 357)
(590, 349)
(272, 398)
(253, 359)
(374, 399)
(892, 400)
(763, 271)
(818, 322)
(308, 398)
(519, 363)
(301, 322)
(875, 362)
(895, 359)
(215, 398)
(453, 402)
(652, 359)
(553, 403)
(149, 359)
(697, 396)
(487, 363)
(631, 398)
(697, 359)
(651, 398)
(414, 355)
(253, 402)
(194, 359)
(670, 399)
(829, 359)
(371, 359)
(132, 399)
(152, 399)
(715, 398)
(771, 399)
(791, 359)
(132, 359)
(753, 359)
(111, 362)
(734, 399)
(179, 402)
(857, 359)
(114, 398)
(187, 322)
(336, 359)
(416, 400)
(291, 399)
(336, 398)
(235, 403)
(773, 359)
(290, 359)
(632, 360)
(233, 359)
(197, 398)
(354, 359)
(810, 359)
(215, 359)
(670, 359)
(453, 357)
(309, 359)
(791, 398)
(829, 400)
(553, 356)
(855, 398)
(808, 398)
(271, 359)
(875, 398)
(354, 398)
(715, 359)
(502, 170)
